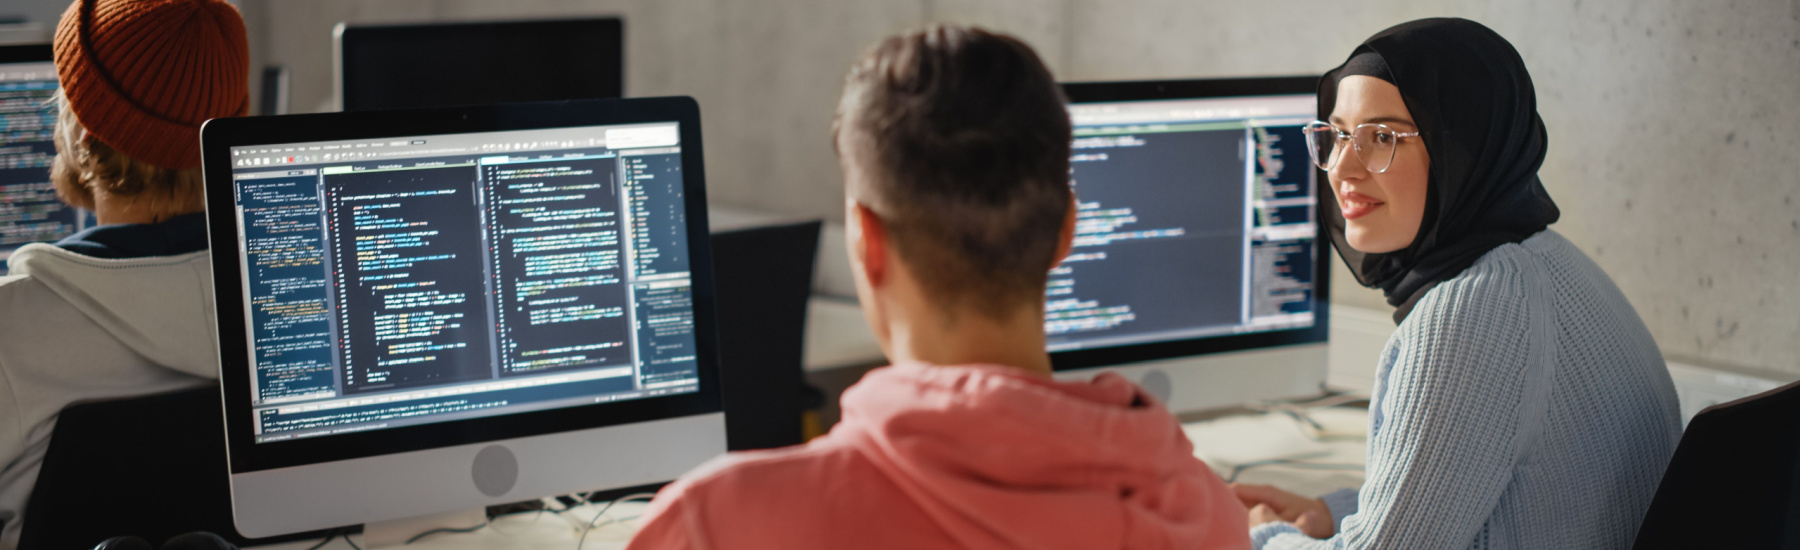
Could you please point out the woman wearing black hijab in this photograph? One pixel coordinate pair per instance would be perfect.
(1521, 403)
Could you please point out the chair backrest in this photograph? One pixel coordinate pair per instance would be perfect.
(1734, 481)
(151, 466)
(763, 280)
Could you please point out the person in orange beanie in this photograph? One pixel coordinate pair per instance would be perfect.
(123, 308)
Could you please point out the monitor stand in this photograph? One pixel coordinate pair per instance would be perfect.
(1189, 384)
(394, 533)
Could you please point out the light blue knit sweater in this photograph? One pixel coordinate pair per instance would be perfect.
(1522, 404)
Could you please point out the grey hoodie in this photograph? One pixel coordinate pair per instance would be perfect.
(77, 328)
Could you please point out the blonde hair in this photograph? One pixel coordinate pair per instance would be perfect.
(86, 167)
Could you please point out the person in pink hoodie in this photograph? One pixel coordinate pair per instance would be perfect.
(954, 143)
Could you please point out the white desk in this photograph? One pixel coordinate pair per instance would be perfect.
(1279, 450)
(527, 531)
(1224, 443)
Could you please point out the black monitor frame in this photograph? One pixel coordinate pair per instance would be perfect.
(27, 53)
(217, 138)
(610, 31)
(1163, 90)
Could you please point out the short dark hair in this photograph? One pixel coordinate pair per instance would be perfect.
(963, 136)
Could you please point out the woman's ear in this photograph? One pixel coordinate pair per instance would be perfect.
(1065, 241)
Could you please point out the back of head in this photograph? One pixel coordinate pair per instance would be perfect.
(141, 76)
(961, 140)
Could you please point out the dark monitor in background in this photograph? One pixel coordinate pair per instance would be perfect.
(274, 96)
(1196, 268)
(441, 65)
(29, 209)
(764, 280)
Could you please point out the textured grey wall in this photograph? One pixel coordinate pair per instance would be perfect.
(1673, 124)
(41, 12)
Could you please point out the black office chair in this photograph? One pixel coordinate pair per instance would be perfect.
(1734, 481)
(763, 278)
(151, 467)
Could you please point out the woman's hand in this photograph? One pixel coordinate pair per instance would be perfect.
(1262, 513)
(1268, 504)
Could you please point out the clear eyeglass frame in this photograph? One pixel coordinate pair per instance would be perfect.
(1374, 144)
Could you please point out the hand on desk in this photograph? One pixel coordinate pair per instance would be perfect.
(1268, 504)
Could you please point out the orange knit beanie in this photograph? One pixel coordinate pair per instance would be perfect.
(142, 75)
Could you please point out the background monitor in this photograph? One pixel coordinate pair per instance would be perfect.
(426, 311)
(275, 90)
(764, 282)
(29, 209)
(437, 65)
(1197, 269)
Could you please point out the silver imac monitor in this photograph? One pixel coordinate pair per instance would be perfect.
(437, 310)
(29, 209)
(1197, 270)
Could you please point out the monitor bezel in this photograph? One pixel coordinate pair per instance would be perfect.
(348, 37)
(217, 138)
(1164, 90)
(27, 53)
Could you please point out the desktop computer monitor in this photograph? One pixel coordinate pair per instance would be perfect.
(29, 209)
(437, 310)
(441, 65)
(1197, 269)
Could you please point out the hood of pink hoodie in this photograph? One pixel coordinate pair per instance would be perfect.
(1002, 459)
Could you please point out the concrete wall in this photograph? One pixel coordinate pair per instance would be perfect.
(42, 13)
(1673, 123)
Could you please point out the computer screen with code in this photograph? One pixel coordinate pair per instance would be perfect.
(1195, 218)
(421, 279)
(29, 209)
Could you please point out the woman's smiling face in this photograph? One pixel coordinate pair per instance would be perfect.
(1382, 211)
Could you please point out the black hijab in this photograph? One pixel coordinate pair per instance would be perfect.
(1467, 89)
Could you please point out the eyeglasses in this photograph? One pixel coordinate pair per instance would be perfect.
(1374, 144)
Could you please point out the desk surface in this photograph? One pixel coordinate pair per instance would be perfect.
(1316, 452)
(1319, 454)
(525, 531)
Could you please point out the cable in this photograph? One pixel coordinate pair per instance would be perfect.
(1301, 413)
(590, 524)
(539, 511)
(585, 528)
(446, 530)
(494, 522)
(484, 524)
(327, 540)
(1326, 399)
(1294, 462)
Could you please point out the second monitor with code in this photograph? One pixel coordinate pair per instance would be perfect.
(1196, 267)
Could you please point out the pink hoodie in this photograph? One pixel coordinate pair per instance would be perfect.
(963, 457)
